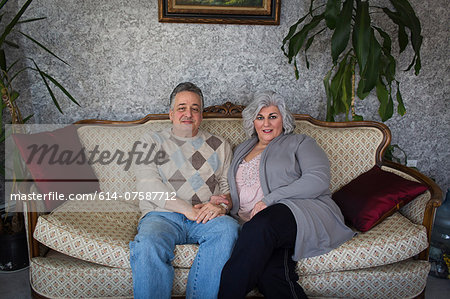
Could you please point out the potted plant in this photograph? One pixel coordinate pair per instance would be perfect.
(361, 51)
(13, 248)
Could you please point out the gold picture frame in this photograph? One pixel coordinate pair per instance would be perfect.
(253, 12)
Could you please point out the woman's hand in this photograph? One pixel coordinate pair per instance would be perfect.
(218, 199)
(208, 211)
(259, 206)
(223, 200)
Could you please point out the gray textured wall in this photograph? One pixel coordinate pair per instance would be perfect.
(124, 63)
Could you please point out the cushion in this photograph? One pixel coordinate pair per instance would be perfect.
(97, 231)
(374, 195)
(100, 232)
(406, 279)
(61, 276)
(55, 161)
(395, 239)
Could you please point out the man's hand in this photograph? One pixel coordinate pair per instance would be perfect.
(182, 207)
(192, 213)
(208, 211)
(259, 206)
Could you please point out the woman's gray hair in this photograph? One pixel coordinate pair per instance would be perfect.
(266, 99)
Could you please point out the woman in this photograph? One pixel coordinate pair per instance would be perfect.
(279, 183)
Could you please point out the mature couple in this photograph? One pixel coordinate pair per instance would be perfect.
(277, 183)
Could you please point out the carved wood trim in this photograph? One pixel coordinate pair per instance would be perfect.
(143, 120)
(226, 109)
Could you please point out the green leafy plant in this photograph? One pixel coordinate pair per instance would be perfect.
(396, 154)
(10, 97)
(359, 48)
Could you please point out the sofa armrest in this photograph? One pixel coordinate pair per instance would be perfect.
(434, 200)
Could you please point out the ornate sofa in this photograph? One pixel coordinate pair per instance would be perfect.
(84, 252)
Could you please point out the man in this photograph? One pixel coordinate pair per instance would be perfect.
(192, 179)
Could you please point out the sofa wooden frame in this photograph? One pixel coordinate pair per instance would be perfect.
(229, 110)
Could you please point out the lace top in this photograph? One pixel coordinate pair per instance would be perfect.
(248, 186)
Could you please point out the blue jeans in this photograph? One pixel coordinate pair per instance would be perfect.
(151, 254)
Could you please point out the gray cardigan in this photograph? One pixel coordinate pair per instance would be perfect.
(295, 171)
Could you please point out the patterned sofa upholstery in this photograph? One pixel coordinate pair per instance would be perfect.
(85, 254)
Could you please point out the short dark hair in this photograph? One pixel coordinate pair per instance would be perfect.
(185, 86)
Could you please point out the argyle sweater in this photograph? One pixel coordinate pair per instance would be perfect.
(192, 169)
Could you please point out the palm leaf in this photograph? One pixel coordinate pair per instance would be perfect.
(331, 13)
(48, 87)
(61, 88)
(27, 118)
(386, 104)
(402, 36)
(390, 64)
(296, 42)
(341, 34)
(362, 34)
(3, 3)
(360, 89)
(32, 20)
(338, 87)
(18, 73)
(346, 93)
(308, 44)
(326, 84)
(401, 106)
(3, 60)
(12, 65)
(371, 71)
(11, 44)
(14, 21)
(43, 47)
(291, 32)
(410, 20)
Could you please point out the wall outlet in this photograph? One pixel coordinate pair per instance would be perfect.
(411, 163)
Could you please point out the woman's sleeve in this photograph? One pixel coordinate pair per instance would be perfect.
(315, 177)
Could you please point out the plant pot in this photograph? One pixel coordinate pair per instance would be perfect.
(13, 251)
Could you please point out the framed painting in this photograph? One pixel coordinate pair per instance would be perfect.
(256, 12)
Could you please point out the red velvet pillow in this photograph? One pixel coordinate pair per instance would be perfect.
(61, 169)
(374, 196)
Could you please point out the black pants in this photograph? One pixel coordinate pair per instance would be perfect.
(262, 257)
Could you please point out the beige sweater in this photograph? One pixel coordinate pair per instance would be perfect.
(192, 169)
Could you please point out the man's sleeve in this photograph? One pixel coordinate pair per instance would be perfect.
(222, 176)
(148, 178)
